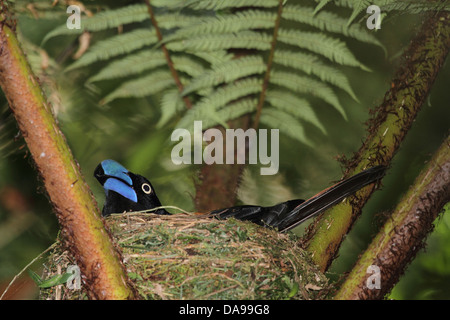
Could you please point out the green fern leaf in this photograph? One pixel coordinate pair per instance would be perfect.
(218, 99)
(172, 4)
(223, 4)
(151, 84)
(115, 18)
(171, 103)
(322, 4)
(342, 3)
(307, 85)
(131, 65)
(145, 61)
(233, 110)
(117, 45)
(223, 83)
(311, 64)
(188, 65)
(331, 22)
(257, 189)
(299, 108)
(214, 57)
(244, 39)
(331, 48)
(227, 72)
(275, 118)
(104, 20)
(246, 20)
(414, 7)
(176, 20)
(236, 109)
(358, 7)
(233, 91)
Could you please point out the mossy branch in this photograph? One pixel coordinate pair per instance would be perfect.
(387, 129)
(403, 235)
(72, 200)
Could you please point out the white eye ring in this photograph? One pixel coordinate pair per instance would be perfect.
(146, 188)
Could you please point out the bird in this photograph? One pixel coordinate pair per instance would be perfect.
(127, 192)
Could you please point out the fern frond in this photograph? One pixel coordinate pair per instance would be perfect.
(170, 21)
(246, 20)
(414, 7)
(322, 4)
(311, 64)
(145, 61)
(151, 84)
(172, 4)
(227, 72)
(233, 91)
(297, 107)
(224, 4)
(244, 39)
(328, 21)
(307, 85)
(214, 57)
(104, 20)
(130, 65)
(340, 3)
(220, 98)
(234, 110)
(331, 48)
(117, 45)
(257, 189)
(188, 65)
(171, 103)
(115, 18)
(200, 37)
(275, 118)
(358, 7)
(405, 6)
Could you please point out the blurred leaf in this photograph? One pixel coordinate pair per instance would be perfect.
(51, 282)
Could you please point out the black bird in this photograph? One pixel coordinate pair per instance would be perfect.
(126, 191)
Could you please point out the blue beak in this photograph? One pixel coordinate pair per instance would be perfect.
(114, 177)
(114, 169)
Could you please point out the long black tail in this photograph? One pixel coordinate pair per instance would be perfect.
(287, 215)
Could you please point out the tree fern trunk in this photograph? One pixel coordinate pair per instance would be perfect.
(73, 203)
(404, 233)
(394, 117)
(218, 183)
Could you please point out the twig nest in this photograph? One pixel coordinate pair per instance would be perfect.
(189, 257)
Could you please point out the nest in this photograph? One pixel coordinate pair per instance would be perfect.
(188, 257)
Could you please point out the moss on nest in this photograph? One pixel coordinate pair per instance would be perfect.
(188, 257)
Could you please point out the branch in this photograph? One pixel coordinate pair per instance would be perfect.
(262, 96)
(404, 233)
(73, 203)
(174, 72)
(218, 183)
(387, 129)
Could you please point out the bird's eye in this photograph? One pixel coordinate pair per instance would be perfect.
(146, 188)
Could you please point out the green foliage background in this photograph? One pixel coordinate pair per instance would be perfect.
(102, 118)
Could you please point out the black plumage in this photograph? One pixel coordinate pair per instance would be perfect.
(126, 191)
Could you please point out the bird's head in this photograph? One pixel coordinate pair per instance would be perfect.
(125, 191)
